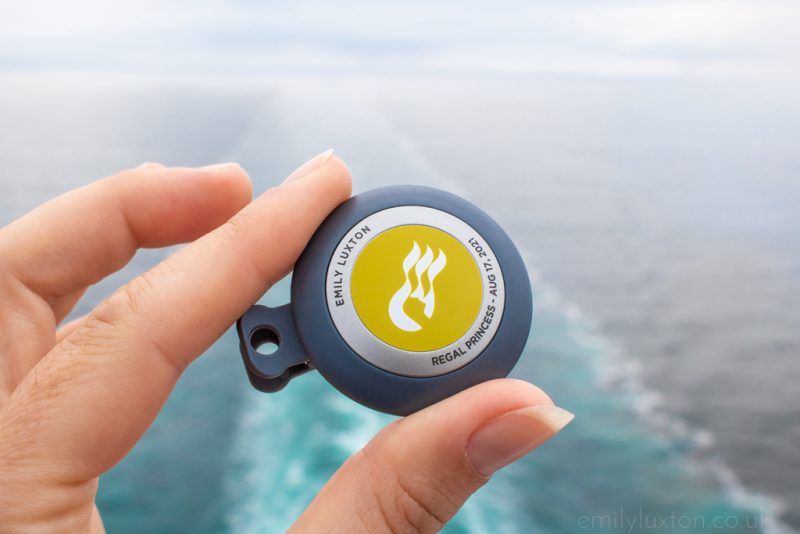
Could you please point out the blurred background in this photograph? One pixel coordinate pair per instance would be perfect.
(643, 155)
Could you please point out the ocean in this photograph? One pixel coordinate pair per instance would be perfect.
(660, 222)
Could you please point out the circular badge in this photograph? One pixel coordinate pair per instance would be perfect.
(404, 296)
(415, 291)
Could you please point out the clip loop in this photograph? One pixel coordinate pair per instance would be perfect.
(262, 324)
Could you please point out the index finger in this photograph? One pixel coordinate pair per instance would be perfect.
(78, 238)
(113, 373)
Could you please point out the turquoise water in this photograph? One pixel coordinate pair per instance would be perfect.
(280, 449)
(623, 211)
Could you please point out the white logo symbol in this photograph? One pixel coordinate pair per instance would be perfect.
(426, 266)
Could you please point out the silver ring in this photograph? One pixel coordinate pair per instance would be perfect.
(393, 359)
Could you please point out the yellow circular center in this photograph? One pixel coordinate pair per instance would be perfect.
(416, 288)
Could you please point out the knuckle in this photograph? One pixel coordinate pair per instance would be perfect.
(148, 168)
(237, 225)
(121, 305)
(250, 219)
(405, 501)
(152, 166)
(414, 503)
(117, 325)
(104, 328)
(243, 228)
(236, 230)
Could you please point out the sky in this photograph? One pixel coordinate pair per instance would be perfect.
(754, 39)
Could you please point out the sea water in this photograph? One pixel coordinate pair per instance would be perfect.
(659, 223)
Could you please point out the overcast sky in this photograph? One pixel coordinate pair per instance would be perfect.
(755, 39)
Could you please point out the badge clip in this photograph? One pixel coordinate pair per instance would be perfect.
(264, 326)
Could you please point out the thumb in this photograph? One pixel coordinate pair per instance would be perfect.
(416, 473)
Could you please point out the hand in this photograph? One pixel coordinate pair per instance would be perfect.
(75, 399)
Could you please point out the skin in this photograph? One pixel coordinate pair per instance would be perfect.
(76, 397)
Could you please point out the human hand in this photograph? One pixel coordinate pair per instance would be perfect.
(75, 397)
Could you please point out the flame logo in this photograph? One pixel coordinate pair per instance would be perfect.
(423, 265)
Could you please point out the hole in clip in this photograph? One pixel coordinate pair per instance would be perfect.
(265, 341)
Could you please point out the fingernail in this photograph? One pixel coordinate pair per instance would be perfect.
(512, 435)
(309, 166)
(218, 167)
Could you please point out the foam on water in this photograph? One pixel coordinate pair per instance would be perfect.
(287, 445)
(618, 374)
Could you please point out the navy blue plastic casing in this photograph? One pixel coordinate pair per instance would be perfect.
(307, 337)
